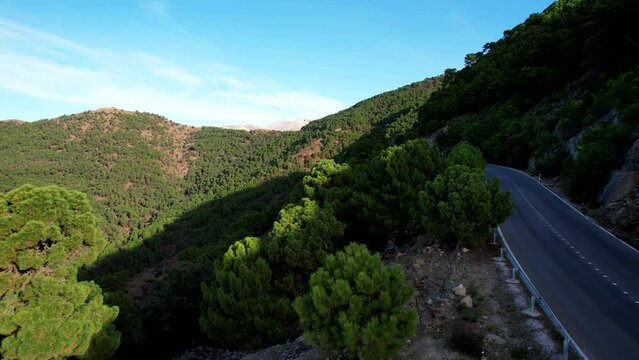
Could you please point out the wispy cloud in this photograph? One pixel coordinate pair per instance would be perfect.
(40, 65)
(159, 9)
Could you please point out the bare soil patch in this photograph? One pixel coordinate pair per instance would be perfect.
(505, 333)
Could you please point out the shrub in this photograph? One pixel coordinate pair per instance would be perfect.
(469, 314)
(356, 304)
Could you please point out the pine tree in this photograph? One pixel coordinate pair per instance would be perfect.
(240, 308)
(460, 205)
(465, 154)
(301, 238)
(356, 304)
(46, 233)
(324, 177)
(389, 193)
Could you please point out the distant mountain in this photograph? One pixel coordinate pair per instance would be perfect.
(283, 125)
(13, 121)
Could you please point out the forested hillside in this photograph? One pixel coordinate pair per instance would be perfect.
(216, 236)
(172, 198)
(557, 94)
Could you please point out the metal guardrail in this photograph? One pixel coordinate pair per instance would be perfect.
(536, 297)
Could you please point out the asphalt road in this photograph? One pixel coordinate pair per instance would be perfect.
(589, 278)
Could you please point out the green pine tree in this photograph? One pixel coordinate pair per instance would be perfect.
(460, 205)
(240, 308)
(301, 238)
(356, 304)
(46, 233)
(389, 193)
(465, 154)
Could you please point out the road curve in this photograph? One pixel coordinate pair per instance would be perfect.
(589, 278)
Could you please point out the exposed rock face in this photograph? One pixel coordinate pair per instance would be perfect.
(619, 184)
(631, 160)
(571, 145)
(621, 217)
(611, 118)
(432, 139)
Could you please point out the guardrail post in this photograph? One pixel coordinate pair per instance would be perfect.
(493, 239)
(513, 278)
(566, 349)
(536, 296)
(531, 311)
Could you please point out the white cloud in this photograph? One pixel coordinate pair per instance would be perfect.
(159, 9)
(40, 65)
(168, 70)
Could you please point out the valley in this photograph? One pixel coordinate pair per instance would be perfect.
(222, 238)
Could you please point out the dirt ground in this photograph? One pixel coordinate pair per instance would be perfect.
(495, 320)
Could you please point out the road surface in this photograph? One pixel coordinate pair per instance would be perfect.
(589, 278)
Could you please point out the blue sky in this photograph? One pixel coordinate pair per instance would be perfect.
(232, 62)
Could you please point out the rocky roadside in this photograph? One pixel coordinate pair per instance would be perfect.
(293, 350)
(466, 308)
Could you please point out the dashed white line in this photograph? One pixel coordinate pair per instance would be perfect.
(560, 236)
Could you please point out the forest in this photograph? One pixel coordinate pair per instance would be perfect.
(154, 237)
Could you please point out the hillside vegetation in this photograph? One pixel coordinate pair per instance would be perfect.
(240, 239)
(557, 94)
(172, 198)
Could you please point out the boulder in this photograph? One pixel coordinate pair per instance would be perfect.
(460, 290)
(495, 339)
(466, 302)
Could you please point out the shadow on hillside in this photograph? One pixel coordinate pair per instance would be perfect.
(156, 281)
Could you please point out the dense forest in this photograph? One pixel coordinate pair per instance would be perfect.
(242, 239)
(557, 94)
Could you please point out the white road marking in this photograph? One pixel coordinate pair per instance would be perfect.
(556, 232)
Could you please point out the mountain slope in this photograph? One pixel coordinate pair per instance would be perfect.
(556, 95)
(131, 164)
(172, 198)
(544, 82)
